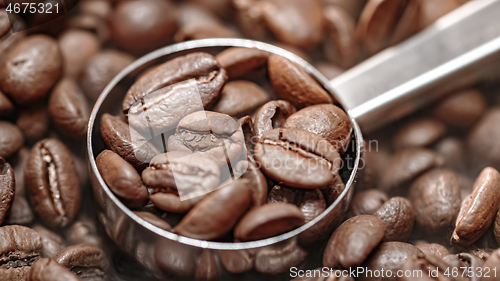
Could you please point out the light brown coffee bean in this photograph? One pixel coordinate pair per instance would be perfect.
(240, 62)
(232, 95)
(419, 133)
(272, 115)
(399, 218)
(77, 46)
(461, 109)
(171, 202)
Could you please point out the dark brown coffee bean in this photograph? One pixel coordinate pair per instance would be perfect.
(306, 30)
(340, 44)
(100, 69)
(280, 257)
(294, 84)
(312, 205)
(140, 27)
(126, 142)
(419, 133)
(272, 115)
(493, 262)
(11, 139)
(481, 142)
(86, 261)
(405, 166)
(26, 75)
(83, 231)
(7, 188)
(49, 270)
(389, 256)
(362, 233)
(52, 242)
(175, 259)
(68, 109)
(496, 229)
(150, 95)
(237, 261)
(282, 194)
(154, 220)
(297, 158)
(20, 248)
(399, 218)
(52, 183)
(477, 214)
(8, 38)
(367, 202)
(123, 180)
(207, 267)
(434, 249)
(20, 212)
(77, 46)
(436, 198)
(224, 207)
(213, 135)
(325, 120)
(6, 106)
(269, 220)
(232, 95)
(239, 62)
(34, 123)
(461, 109)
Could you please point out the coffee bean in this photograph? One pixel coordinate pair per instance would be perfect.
(69, 110)
(197, 30)
(52, 183)
(268, 220)
(428, 267)
(154, 220)
(325, 120)
(232, 95)
(77, 46)
(126, 142)
(367, 202)
(7, 188)
(341, 44)
(91, 23)
(297, 158)
(171, 202)
(100, 69)
(140, 27)
(294, 84)
(240, 62)
(86, 261)
(477, 213)
(496, 229)
(454, 154)
(246, 124)
(20, 248)
(11, 139)
(237, 261)
(249, 18)
(481, 140)
(49, 270)
(224, 207)
(272, 115)
(83, 231)
(20, 212)
(362, 233)
(175, 259)
(282, 194)
(493, 262)
(258, 182)
(280, 257)
(419, 133)
(150, 95)
(461, 109)
(6, 106)
(123, 180)
(405, 166)
(207, 267)
(399, 218)
(474, 263)
(8, 38)
(25, 75)
(52, 242)
(34, 123)
(312, 205)
(333, 190)
(434, 249)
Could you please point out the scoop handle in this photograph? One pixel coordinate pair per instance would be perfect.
(459, 49)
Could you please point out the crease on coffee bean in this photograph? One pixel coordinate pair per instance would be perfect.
(28, 261)
(88, 272)
(52, 179)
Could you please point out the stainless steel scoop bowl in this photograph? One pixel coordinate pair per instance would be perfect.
(459, 49)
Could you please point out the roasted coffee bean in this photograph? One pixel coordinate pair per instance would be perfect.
(216, 136)
(313, 204)
(20, 248)
(224, 207)
(207, 267)
(454, 154)
(246, 124)
(340, 45)
(52, 242)
(405, 166)
(461, 109)
(436, 199)
(272, 115)
(325, 120)
(496, 229)
(83, 231)
(294, 84)
(34, 123)
(481, 140)
(7, 188)
(11, 139)
(419, 133)
(478, 212)
(367, 202)
(388, 256)
(52, 183)
(126, 142)
(88, 262)
(171, 202)
(20, 212)
(362, 233)
(249, 18)
(332, 191)
(474, 265)
(258, 182)
(157, 95)
(429, 267)
(304, 159)
(100, 8)
(68, 109)
(91, 23)
(175, 259)
(49, 270)
(6, 106)
(123, 180)
(237, 261)
(240, 62)
(434, 249)
(77, 46)
(8, 38)
(154, 220)
(197, 30)
(399, 218)
(140, 27)
(100, 69)
(232, 95)
(493, 262)
(268, 220)
(282, 194)
(26, 75)
(279, 258)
